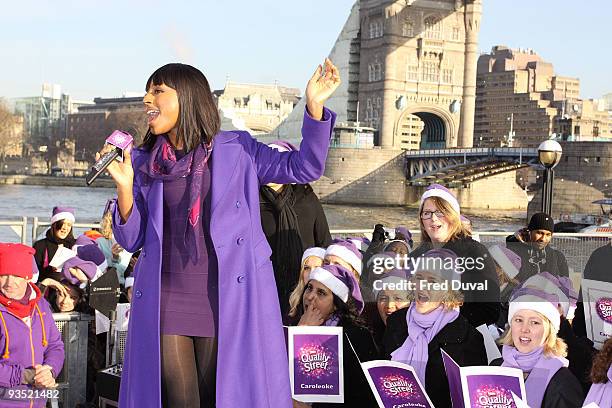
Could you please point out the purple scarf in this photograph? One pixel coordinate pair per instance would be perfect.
(422, 328)
(162, 165)
(539, 367)
(601, 392)
(332, 321)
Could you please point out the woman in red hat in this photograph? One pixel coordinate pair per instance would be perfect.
(31, 346)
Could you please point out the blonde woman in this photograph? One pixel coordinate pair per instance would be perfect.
(441, 227)
(416, 335)
(531, 345)
(311, 259)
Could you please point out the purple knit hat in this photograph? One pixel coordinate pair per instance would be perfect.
(405, 232)
(561, 287)
(62, 213)
(340, 281)
(90, 259)
(507, 259)
(441, 262)
(282, 146)
(438, 190)
(347, 251)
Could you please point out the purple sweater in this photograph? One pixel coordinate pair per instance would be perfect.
(188, 301)
(25, 351)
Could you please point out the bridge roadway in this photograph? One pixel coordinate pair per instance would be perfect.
(459, 166)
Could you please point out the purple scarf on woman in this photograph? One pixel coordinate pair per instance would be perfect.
(600, 392)
(163, 165)
(539, 367)
(422, 328)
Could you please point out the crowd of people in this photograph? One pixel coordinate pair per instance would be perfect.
(218, 241)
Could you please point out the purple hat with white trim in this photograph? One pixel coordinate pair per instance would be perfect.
(405, 232)
(282, 146)
(90, 259)
(314, 251)
(395, 279)
(340, 281)
(438, 190)
(348, 252)
(361, 243)
(560, 287)
(507, 259)
(537, 300)
(440, 262)
(62, 213)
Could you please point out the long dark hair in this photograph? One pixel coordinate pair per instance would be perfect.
(198, 119)
(346, 312)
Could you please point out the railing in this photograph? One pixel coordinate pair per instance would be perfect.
(476, 151)
(37, 225)
(19, 226)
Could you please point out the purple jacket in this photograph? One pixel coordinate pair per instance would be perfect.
(252, 366)
(21, 345)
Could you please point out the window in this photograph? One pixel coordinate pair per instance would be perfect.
(408, 28)
(447, 75)
(456, 36)
(376, 28)
(412, 73)
(433, 28)
(430, 72)
(374, 71)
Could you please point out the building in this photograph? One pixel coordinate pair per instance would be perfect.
(408, 70)
(260, 107)
(520, 101)
(44, 116)
(90, 126)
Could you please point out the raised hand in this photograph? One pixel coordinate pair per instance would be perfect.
(311, 317)
(122, 173)
(323, 83)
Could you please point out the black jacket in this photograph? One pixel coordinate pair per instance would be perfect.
(458, 338)
(46, 248)
(534, 261)
(563, 390)
(580, 354)
(314, 229)
(357, 391)
(479, 307)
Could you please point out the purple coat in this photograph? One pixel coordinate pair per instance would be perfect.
(20, 349)
(252, 366)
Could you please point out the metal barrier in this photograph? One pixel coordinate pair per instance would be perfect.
(21, 225)
(37, 225)
(72, 381)
(576, 247)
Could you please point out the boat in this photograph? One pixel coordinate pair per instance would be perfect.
(588, 223)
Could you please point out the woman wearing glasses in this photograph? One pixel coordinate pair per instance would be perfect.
(441, 227)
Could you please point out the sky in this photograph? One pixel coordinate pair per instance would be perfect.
(107, 48)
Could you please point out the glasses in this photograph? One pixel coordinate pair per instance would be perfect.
(426, 215)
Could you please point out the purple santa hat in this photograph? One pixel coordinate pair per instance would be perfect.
(314, 251)
(62, 213)
(440, 262)
(89, 258)
(347, 251)
(405, 232)
(507, 259)
(282, 146)
(395, 279)
(559, 286)
(537, 300)
(361, 243)
(438, 190)
(340, 281)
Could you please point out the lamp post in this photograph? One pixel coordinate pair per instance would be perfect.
(549, 155)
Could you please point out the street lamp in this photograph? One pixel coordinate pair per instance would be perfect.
(549, 155)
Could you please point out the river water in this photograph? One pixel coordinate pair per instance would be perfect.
(17, 201)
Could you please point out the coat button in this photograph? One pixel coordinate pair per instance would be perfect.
(138, 294)
(240, 278)
(240, 241)
(237, 204)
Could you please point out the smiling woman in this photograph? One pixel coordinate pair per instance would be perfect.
(60, 234)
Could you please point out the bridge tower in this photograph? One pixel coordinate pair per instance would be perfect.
(417, 71)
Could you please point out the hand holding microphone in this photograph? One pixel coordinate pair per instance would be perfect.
(117, 144)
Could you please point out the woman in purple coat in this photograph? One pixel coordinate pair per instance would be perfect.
(205, 323)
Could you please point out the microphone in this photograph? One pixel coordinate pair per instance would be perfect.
(121, 140)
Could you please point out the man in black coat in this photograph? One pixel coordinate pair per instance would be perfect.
(532, 245)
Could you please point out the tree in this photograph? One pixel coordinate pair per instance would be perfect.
(11, 134)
